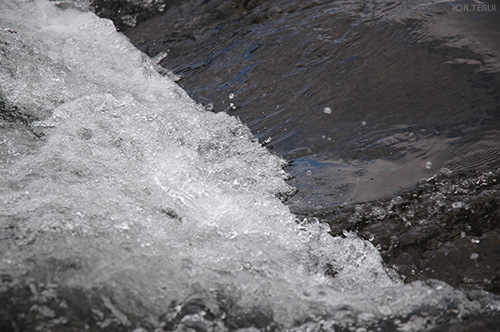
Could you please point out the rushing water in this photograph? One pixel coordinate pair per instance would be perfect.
(124, 204)
(362, 98)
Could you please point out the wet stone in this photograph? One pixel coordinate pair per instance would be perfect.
(445, 228)
(66, 309)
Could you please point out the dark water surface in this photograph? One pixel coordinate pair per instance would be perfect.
(362, 98)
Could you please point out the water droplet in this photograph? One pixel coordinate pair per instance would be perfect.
(209, 107)
(327, 110)
(309, 173)
(231, 95)
(428, 165)
(446, 171)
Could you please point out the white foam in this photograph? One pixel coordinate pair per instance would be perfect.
(151, 193)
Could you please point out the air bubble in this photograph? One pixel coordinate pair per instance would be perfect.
(363, 123)
(327, 110)
(231, 95)
(428, 165)
(309, 173)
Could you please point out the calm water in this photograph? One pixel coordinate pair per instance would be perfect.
(362, 99)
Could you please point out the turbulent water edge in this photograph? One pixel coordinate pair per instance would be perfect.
(153, 238)
(446, 228)
(124, 14)
(409, 227)
(31, 306)
(362, 99)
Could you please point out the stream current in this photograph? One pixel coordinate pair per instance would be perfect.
(130, 203)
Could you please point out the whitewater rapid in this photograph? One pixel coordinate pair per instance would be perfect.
(113, 178)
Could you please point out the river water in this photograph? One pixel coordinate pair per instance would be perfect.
(362, 99)
(130, 203)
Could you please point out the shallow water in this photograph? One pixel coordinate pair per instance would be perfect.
(127, 205)
(408, 88)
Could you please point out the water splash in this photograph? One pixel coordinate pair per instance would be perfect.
(134, 190)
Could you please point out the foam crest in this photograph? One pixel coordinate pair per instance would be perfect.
(133, 187)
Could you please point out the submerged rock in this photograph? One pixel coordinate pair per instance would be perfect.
(446, 228)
